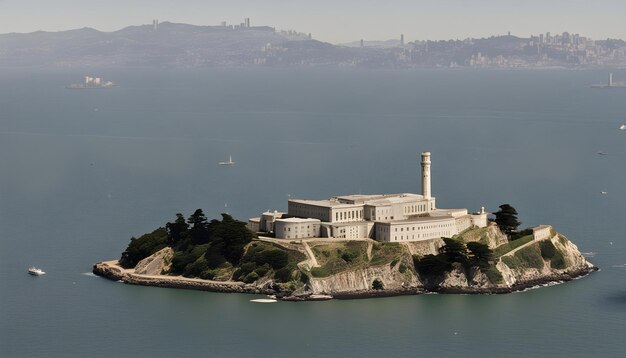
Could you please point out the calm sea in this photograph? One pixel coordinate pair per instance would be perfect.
(81, 171)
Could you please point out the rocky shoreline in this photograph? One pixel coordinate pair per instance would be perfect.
(112, 271)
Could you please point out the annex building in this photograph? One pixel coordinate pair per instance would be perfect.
(383, 217)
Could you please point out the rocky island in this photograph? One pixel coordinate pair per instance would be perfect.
(350, 247)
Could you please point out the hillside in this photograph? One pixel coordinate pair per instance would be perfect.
(223, 256)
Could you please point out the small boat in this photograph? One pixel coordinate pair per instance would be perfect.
(601, 153)
(36, 271)
(263, 300)
(622, 127)
(603, 192)
(229, 162)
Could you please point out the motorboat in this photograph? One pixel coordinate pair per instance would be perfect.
(36, 271)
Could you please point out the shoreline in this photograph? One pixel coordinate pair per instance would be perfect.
(110, 270)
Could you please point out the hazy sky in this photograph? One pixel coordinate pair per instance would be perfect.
(333, 20)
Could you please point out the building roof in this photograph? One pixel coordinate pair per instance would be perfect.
(416, 219)
(349, 201)
(298, 220)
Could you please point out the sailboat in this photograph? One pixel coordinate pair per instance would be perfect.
(229, 162)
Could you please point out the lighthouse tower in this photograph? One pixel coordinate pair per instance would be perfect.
(426, 175)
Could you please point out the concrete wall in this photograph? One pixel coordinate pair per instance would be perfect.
(415, 231)
(296, 229)
(542, 232)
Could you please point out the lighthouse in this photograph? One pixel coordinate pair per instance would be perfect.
(426, 175)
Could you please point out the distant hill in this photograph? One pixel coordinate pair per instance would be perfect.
(183, 45)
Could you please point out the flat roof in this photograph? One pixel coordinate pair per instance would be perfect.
(348, 201)
(298, 220)
(419, 219)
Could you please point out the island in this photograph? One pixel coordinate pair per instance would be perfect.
(352, 246)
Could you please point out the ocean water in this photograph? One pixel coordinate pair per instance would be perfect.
(81, 171)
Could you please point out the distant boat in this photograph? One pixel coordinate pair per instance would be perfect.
(35, 271)
(91, 83)
(603, 192)
(229, 162)
(622, 127)
(602, 153)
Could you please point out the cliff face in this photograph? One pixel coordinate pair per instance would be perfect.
(156, 264)
(515, 272)
(349, 269)
(534, 263)
(362, 280)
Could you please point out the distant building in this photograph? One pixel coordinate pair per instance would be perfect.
(401, 217)
(401, 39)
(155, 25)
(247, 22)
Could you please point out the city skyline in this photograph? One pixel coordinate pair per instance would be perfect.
(330, 22)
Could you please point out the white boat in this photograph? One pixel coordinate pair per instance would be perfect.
(35, 271)
(229, 162)
(622, 127)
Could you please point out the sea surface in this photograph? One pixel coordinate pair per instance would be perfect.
(81, 171)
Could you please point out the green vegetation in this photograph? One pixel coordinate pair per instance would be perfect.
(493, 275)
(144, 246)
(457, 255)
(384, 253)
(217, 249)
(433, 265)
(528, 257)
(337, 257)
(550, 252)
(480, 254)
(506, 218)
(512, 245)
(263, 258)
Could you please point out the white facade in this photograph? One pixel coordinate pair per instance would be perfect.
(296, 228)
(384, 217)
(542, 232)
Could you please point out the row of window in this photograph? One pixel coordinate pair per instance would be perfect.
(349, 215)
(415, 209)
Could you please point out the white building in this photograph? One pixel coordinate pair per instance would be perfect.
(387, 217)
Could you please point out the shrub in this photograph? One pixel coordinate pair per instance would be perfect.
(349, 256)
(402, 268)
(493, 275)
(558, 261)
(393, 263)
(195, 268)
(207, 274)
(251, 277)
(144, 246)
(378, 284)
(275, 257)
(283, 275)
(548, 250)
(432, 265)
(530, 257)
(304, 278)
(320, 272)
(262, 270)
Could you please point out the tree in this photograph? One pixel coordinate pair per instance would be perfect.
(199, 227)
(377, 284)
(176, 230)
(142, 247)
(454, 251)
(431, 265)
(480, 254)
(506, 219)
